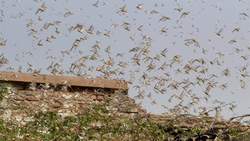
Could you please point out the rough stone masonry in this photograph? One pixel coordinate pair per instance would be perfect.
(71, 95)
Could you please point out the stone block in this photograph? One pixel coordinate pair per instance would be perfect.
(31, 98)
(81, 106)
(93, 97)
(134, 110)
(56, 105)
(100, 97)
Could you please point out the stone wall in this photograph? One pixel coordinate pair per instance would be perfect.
(24, 98)
(21, 100)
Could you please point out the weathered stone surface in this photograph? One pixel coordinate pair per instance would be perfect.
(6, 114)
(93, 97)
(100, 97)
(56, 105)
(66, 103)
(4, 103)
(31, 98)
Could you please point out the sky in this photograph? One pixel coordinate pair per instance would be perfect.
(80, 37)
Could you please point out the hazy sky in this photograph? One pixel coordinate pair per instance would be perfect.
(220, 28)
